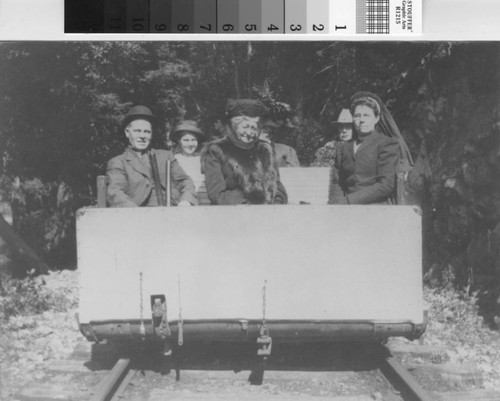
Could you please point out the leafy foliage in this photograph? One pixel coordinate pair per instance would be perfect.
(455, 323)
(29, 296)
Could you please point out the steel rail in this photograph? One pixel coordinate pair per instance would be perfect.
(116, 381)
(123, 385)
(402, 380)
(108, 385)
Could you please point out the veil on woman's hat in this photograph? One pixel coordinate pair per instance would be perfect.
(388, 126)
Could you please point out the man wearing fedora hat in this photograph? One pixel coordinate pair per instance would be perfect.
(240, 168)
(137, 177)
(325, 156)
(344, 125)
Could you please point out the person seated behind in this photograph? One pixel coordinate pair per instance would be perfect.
(364, 171)
(188, 138)
(239, 168)
(131, 174)
(325, 156)
(286, 156)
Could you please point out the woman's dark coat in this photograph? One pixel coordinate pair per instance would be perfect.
(235, 176)
(369, 176)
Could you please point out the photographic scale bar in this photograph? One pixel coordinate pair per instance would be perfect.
(332, 17)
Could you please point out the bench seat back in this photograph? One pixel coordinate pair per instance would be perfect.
(303, 185)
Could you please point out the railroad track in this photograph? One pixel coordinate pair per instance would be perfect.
(209, 372)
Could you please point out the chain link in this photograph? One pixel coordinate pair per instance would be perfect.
(140, 295)
(180, 328)
(142, 328)
(264, 304)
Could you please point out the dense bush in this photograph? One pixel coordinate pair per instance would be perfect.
(29, 296)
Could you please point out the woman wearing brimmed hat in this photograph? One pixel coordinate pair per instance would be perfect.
(364, 171)
(188, 138)
(240, 168)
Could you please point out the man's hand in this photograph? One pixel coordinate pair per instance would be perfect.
(184, 203)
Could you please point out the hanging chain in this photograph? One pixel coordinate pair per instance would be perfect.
(264, 304)
(264, 341)
(180, 332)
(142, 328)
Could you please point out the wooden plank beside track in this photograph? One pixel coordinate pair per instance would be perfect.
(162, 395)
(426, 352)
(477, 395)
(50, 392)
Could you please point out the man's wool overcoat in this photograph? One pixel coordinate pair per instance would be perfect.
(131, 181)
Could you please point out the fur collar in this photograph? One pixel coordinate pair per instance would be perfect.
(254, 170)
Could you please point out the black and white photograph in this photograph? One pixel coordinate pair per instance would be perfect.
(258, 220)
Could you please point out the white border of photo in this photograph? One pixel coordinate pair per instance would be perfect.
(454, 20)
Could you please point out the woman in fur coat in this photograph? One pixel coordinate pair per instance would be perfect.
(239, 168)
